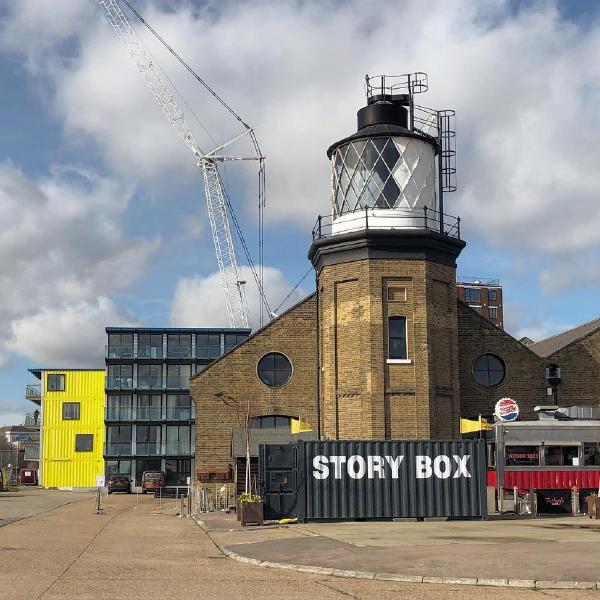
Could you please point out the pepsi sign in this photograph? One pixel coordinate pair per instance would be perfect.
(506, 410)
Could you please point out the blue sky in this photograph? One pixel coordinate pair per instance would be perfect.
(104, 209)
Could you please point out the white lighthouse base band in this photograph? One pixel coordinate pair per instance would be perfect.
(389, 218)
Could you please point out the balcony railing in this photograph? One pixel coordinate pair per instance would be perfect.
(148, 448)
(33, 392)
(179, 352)
(208, 352)
(119, 413)
(150, 352)
(148, 413)
(382, 220)
(153, 382)
(32, 420)
(178, 448)
(119, 383)
(119, 351)
(118, 449)
(180, 413)
(178, 383)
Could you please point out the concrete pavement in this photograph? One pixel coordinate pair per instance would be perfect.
(28, 501)
(148, 552)
(565, 550)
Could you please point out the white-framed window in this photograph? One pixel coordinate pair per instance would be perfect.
(493, 312)
(397, 342)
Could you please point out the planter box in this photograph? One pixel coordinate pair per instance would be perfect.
(251, 512)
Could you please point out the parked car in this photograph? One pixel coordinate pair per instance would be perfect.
(118, 483)
(152, 481)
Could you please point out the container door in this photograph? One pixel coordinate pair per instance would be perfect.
(279, 480)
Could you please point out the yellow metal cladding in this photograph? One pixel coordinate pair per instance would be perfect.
(61, 465)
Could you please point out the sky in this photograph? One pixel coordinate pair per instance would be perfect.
(103, 210)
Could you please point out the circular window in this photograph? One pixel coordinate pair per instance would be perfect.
(274, 369)
(489, 370)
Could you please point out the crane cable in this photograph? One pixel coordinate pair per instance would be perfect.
(259, 278)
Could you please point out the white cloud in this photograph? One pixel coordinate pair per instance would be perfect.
(63, 250)
(199, 302)
(525, 85)
(68, 335)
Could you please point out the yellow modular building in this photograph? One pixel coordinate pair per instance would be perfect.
(72, 426)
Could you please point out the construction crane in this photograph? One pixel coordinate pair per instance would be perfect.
(216, 199)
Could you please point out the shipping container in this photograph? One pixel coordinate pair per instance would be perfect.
(344, 480)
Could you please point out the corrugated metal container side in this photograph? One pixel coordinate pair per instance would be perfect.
(372, 496)
(61, 465)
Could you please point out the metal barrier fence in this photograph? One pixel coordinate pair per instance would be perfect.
(211, 497)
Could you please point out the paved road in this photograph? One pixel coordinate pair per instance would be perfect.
(147, 552)
(26, 502)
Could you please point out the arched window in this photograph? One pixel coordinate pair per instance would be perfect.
(274, 369)
(271, 422)
(489, 370)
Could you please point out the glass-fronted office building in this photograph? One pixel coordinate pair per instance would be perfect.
(149, 416)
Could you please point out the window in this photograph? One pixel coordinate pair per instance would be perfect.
(488, 370)
(119, 407)
(178, 376)
(118, 440)
(274, 369)
(198, 368)
(233, 339)
(493, 312)
(149, 377)
(70, 411)
(397, 347)
(120, 377)
(177, 471)
(561, 456)
(179, 346)
(178, 439)
(55, 382)
(472, 295)
(179, 407)
(84, 442)
(150, 345)
(492, 295)
(208, 345)
(271, 422)
(148, 440)
(149, 407)
(522, 456)
(148, 464)
(120, 345)
(118, 467)
(591, 454)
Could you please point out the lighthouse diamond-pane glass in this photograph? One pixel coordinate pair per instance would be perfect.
(383, 173)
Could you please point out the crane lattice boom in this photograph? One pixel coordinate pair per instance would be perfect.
(235, 297)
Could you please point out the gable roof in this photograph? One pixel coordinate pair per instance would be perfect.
(557, 342)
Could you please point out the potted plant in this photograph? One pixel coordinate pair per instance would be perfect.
(251, 508)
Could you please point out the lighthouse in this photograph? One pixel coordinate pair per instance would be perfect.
(385, 257)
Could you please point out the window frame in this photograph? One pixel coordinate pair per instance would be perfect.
(397, 359)
(482, 383)
(61, 387)
(80, 438)
(70, 405)
(472, 290)
(274, 370)
(495, 309)
(492, 295)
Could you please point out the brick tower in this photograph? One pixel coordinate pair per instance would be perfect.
(386, 273)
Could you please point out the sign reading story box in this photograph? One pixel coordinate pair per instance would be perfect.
(379, 479)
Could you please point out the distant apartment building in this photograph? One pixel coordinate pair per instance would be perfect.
(484, 295)
(149, 417)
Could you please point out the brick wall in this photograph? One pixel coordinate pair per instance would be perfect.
(363, 396)
(580, 371)
(525, 379)
(222, 390)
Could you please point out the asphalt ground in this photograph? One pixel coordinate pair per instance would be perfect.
(149, 552)
(23, 502)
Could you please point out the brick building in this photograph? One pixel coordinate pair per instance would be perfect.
(484, 295)
(383, 349)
